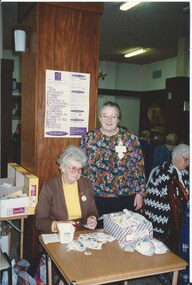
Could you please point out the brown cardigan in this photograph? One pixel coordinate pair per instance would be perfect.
(52, 206)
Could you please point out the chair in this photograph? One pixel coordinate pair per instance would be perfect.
(177, 196)
(5, 265)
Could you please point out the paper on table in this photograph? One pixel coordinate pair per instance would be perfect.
(49, 238)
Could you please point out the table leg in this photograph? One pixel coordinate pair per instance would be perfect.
(49, 265)
(175, 277)
(125, 282)
(21, 238)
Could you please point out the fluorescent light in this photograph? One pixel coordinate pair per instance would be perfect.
(135, 52)
(128, 5)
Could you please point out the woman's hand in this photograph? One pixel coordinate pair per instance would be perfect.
(91, 223)
(138, 202)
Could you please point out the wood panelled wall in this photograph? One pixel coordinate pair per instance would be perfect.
(62, 37)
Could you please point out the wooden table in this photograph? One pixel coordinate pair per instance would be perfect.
(21, 229)
(110, 264)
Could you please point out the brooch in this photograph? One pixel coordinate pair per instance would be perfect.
(83, 198)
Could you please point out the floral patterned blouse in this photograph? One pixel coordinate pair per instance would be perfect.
(111, 174)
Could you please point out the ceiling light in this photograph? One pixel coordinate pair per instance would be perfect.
(128, 5)
(135, 52)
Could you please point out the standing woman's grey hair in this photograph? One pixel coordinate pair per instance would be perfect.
(180, 150)
(72, 153)
(111, 104)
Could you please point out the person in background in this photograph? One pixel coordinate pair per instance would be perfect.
(115, 163)
(67, 197)
(144, 139)
(162, 152)
(156, 203)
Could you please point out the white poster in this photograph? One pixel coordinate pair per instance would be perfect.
(67, 104)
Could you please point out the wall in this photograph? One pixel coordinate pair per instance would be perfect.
(125, 76)
(167, 68)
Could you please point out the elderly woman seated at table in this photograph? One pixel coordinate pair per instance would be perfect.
(67, 197)
(157, 206)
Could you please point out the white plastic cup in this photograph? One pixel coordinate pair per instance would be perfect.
(65, 232)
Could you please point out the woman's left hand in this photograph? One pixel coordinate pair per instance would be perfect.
(91, 223)
(138, 202)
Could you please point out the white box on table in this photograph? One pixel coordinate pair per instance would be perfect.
(13, 206)
(133, 234)
(29, 183)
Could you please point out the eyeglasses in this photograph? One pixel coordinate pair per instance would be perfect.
(185, 159)
(106, 117)
(75, 169)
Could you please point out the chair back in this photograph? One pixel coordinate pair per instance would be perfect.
(177, 196)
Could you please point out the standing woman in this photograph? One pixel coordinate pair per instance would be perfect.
(115, 163)
(67, 197)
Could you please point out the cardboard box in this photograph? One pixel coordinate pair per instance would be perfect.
(13, 206)
(11, 169)
(31, 187)
(25, 181)
(128, 235)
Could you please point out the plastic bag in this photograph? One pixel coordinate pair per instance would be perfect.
(145, 248)
(160, 247)
(24, 278)
(41, 272)
(14, 275)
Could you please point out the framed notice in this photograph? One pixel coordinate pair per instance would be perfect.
(67, 104)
